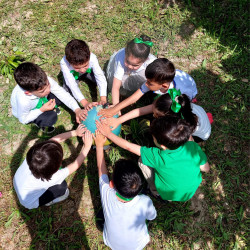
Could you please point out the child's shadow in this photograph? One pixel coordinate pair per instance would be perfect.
(59, 225)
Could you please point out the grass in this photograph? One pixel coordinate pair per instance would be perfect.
(209, 40)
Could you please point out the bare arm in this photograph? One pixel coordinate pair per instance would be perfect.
(116, 90)
(106, 131)
(205, 168)
(114, 110)
(87, 138)
(64, 136)
(115, 122)
(99, 141)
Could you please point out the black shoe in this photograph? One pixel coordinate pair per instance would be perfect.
(49, 130)
(58, 111)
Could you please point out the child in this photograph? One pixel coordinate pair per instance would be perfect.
(35, 97)
(161, 76)
(79, 64)
(164, 105)
(39, 181)
(125, 211)
(172, 169)
(126, 68)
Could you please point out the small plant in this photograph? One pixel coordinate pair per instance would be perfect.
(10, 62)
(137, 130)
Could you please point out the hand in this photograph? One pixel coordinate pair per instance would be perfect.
(103, 128)
(87, 139)
(99, 139)
(89, 106)
(50, 105)
(81, 129)
(110, 112)
(112, 122)
(103, 100)
(81, 114)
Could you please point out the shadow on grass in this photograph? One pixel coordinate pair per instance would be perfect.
(59, 226)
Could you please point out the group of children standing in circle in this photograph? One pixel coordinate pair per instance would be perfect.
(172, 168)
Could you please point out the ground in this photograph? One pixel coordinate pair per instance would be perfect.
(206, 39)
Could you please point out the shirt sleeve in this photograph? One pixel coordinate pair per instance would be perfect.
(150, 156)
(186, 84)
(99, 75)
(119, 65)
(25, 113)
(151, 211)
(104, 187)
(144, 89)
(70, 81)
(63, 95)
(203, 157)
(59, 176)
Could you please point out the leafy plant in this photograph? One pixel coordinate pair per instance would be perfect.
(137, 129)
(10, 62)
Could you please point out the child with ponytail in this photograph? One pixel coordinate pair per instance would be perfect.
(175, 104)
(126, 69)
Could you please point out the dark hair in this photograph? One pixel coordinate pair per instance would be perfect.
(162, 107)
(127, 178)
(30, 76)
(138, 50)
(44, 159)
(161, 71)
(170, 131)
(77, 52)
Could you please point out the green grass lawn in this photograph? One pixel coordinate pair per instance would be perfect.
(207, 39)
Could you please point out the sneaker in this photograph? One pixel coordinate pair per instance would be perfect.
(58, 199)
(49, 130)
(58, 111)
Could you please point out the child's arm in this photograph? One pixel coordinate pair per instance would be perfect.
(116, 90)
(115, 122)
(99, 141)
(106, 131)
(114, 110)
(205, 168)
(64, 136)
(87, 139)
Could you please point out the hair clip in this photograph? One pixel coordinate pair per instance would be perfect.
(174, 93)
(139, 40)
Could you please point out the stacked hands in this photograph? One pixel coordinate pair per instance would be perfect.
(103, 126)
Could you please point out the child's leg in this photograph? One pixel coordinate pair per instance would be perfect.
(52, 96)
(53, 193)
(46, 119)
(149, 175)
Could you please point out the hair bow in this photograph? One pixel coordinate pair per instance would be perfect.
(175, 106)
(139, 40)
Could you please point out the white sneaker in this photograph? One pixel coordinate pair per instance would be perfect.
(58, 199)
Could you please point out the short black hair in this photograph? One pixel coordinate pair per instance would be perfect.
(44, 159)
(170, 131)
(30, 76)
(127, 178)
(161, 71)
(77, 52)
(138, 50)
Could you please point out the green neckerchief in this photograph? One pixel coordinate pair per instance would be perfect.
(175, 106)
(139, 40)
(42, 100)
(76, 74)
(123, 198)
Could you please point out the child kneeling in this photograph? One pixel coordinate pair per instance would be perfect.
(39, 181)
(125, 211)
(172, 168)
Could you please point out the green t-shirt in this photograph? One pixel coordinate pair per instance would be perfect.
(177, 172)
